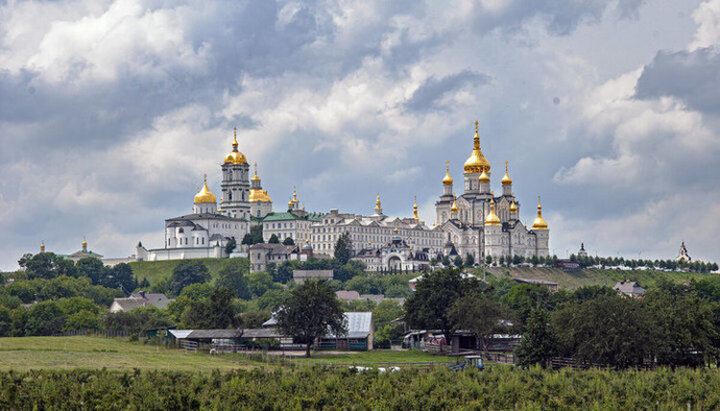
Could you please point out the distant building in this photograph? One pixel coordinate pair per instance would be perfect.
(82, 253)
(582, 252)
(395, 255)
(137, 300)
(683, 256)
(567, 265)
(300, 276)
(261, 254)
(629, 288)
(551, 286)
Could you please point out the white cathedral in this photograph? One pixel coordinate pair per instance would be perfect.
(206, 232)
(481, 224)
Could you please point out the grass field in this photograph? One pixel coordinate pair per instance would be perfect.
(580, 278)
(60, 353)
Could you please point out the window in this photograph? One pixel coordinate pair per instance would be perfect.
(230, 195)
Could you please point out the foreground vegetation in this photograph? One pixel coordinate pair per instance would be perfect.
(495, 388)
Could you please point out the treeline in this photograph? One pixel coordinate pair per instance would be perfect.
(617, 262)
(672, 324)
(317, 388)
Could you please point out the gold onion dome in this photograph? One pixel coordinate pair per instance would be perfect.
(294, 199)
(290, 204)
(539, 223)
(255, 177)
(259, 195)
(235, 157)
(454, 207)
(477, 162)
(447, 180)
(506, 180)
(484, 178)
(513, 207)
(415, 212)
(205, 195)
(492, 218)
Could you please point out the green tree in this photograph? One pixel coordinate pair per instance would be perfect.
(5, 322)
(24, 290)
(539, 343)
(479, 315)
(458, 262)
(46, 265)
(429, 305)
(137, 321)
(197, 291)
(488, 260)
(214, 312)
(386, 311)
(309, 312)
(64, 287)
(230, 246)
(288, 241)
(469, 260)
(74, 305)
(188, 272)
(446, 261)
(232, 276)
(121, 277)
(92, 268)
(102, 295)
(343, 248)
(259, 283)
(45, 318)
(82, 320)
(274, 239)
(284, 272)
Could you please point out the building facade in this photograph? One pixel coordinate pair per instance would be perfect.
(480, 223)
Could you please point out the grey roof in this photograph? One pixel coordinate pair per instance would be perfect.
(534, 281)
(201, 216)
(347, 295)
(629, 287)
(158, 300)
(261, 333)
(224, 334)
(359, 325)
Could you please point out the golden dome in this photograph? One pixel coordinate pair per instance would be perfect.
(447, 180)
(378, 205)
(539, 223)
(42, 246)
(290, 204)
(255, 178)
(484, 178)
(257, 194)
(513, 207)
(492, 218)
(84, 244)
(506, 181)
(235, 157)
(454, 207)
(205, 195)
(476, 163)
(294, 199)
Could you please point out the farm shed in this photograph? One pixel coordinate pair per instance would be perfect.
(359, 336)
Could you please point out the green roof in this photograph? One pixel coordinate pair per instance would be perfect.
(282, 217)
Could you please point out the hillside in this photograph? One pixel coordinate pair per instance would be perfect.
(581, 278)
(156, 270)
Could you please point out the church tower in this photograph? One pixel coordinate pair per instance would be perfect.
(475, 165)
(542, 233)
(260, 202)
(235, 184)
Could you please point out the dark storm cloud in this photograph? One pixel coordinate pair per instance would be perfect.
(428, 95)
(691, 76)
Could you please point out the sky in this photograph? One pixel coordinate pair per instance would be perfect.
(111, 112)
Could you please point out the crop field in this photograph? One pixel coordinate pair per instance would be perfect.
(316, 388)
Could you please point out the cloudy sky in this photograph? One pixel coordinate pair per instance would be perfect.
(112, 111)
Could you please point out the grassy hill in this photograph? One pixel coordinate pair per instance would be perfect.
(581, 278)
(156, 270)
(60, 353)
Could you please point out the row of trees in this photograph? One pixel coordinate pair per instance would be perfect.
(612, 262)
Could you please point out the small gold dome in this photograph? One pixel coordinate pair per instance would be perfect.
(205, 195)
(257, 195)
(415, 212)
(506, 181)
(255, 177)
(484, 178)
(84, 244)
(235, 157)
(454, 206)
(539, 223)
(448, 181)
(42, 246)
(492, 218)
(477, 162)
(513, 207)
(290, 204)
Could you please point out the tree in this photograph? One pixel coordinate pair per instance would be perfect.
(119, 276)
(469, 260)
(259, 283)
(288, 241)
(311, 311)
(137, 321)
(284, 272)
(433, 262)
(80, 320)
(188, 272)
(458, 262)
(273, 239)
(24, 290)
(46, 265)
(480, 315)
(232, 276)
(343, 248)
(446, 261)
(5, 322)
(428, 307)
(230, 246)
(488, 260)
(539, 343)
(45, 318)
(386, 311)
(214, 312)
(91, 268)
